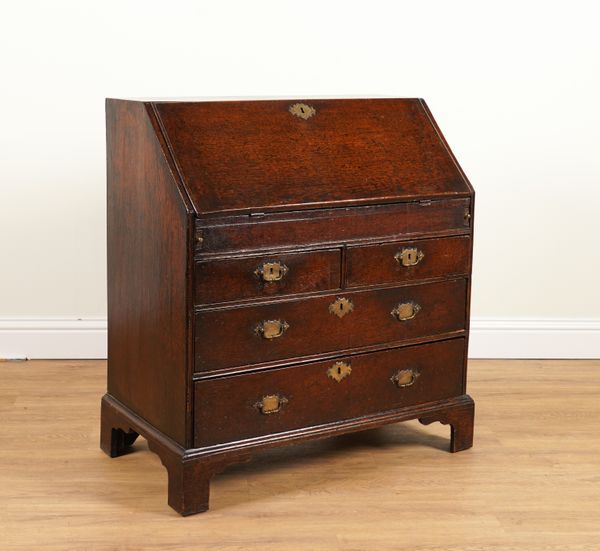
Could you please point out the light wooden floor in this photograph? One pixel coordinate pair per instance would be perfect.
(531, 482)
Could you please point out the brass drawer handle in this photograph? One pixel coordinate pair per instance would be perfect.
(339, 371)
(409, 257)
(405, 377)
(271, 403)
(271, 329)
(406, 311)
(271, 271)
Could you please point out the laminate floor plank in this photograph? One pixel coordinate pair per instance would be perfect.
(530, 483)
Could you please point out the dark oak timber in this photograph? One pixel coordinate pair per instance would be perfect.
(148, 257)
(314, 329)
(281, 271)
(314, 398)
(235, 279)
(441, 257)
(333, 226)
(253, 156)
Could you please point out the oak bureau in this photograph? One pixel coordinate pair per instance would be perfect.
(281, 271)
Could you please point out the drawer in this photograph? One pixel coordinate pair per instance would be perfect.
(244, 406)
(229, 337)
(407, 260)
(265, 276)
(341, 225)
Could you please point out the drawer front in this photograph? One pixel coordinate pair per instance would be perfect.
(407, 261)
(264, 276)
(333, 225)
(291, 329)
(244, 406)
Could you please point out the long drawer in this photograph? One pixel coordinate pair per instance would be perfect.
(246, 335)
(238, 407)
(341, 225)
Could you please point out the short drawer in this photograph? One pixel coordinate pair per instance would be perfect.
(245, 335)
(407, 260)
(244, 406)
(265, 276)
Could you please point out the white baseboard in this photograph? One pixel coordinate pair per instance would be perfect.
(52, 339)
(80, 339)
(535, 338)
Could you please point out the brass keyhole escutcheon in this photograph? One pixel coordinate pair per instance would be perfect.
(271, 403)
(271, 329)
(339, 371)
(271, 271)
(406, 311)
(302, 110)
(404, 377)
(341, 307)
(409, 257)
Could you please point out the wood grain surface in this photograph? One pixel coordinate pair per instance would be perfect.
(148, 254)
(246, 156)
(377, 264)
(333, 226)
(226, 406)
(227, 337)
(235, 279)
(530, 483)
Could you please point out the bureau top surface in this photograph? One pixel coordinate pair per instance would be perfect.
(278, 155)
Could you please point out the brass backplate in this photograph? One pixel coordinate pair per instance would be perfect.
(271, 271)
(302, 110)
(339, 371)
(341, 307)
(404, 377)
(409, 257)
(271, 403)
(271, 329)
(406, 311)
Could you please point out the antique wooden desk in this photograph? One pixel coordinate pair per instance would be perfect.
(281, 271)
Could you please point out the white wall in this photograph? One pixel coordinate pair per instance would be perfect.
(513, 85)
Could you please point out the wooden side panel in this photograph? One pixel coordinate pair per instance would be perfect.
(148, 235)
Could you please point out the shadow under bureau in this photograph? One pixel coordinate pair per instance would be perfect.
(280, 271)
